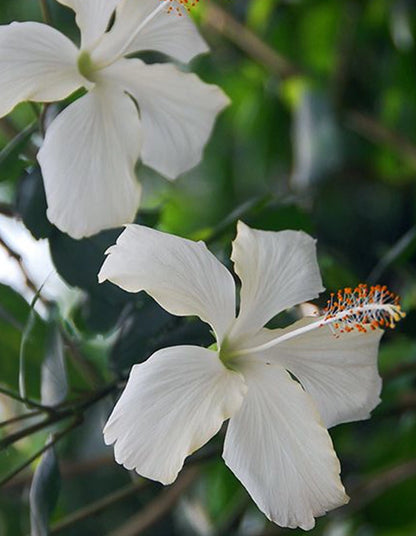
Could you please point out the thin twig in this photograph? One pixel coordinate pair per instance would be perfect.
(67, 470)
(83, 365)
(399, 370)
(8, 127)
(20, 418)
(56, 437)
(7, 210)
(222, 22)
(17, 141)
(100, 505)
(406, 242)
(363, 493)
(18, 258)
(159, 507)
(57, 415)
(24, 400)
(46, 14)
(373, 130)
(375, 486)
(249, 207)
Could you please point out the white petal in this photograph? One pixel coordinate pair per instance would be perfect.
(37, 63)
(172, 405)
(339, 372)
(146, 25)
(277, 270)
(182, 275)
(177, 110)
(88, 160)
(92, 17)
(279, 450)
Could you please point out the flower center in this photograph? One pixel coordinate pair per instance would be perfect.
(362, 309)
(86, 66)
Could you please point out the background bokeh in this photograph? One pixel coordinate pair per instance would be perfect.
(320, 136)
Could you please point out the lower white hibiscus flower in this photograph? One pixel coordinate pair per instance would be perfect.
(276, 443)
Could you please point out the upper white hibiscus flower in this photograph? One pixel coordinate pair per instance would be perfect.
(276, 442)
(131, 109)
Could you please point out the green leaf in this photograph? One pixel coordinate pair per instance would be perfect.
(44, 493)
(78, 262)
(31, 204)
(14, 314)
(11, 165)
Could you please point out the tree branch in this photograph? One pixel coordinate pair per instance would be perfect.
(159, 507)
(6, 210)
(56, 437)
(23, 400)
(373, 130)
(46, 14)
(100, 505)
(368, 127)
(222, 22)
(28, 281)
(375, 486)
(20, 418)
(56, 415)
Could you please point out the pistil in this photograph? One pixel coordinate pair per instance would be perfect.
(362, 309)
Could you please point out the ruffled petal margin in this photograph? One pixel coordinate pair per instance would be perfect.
(183, 276)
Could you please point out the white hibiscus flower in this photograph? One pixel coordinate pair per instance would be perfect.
(91, 148)
(276, 443)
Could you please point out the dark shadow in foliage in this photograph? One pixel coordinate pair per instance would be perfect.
(145, 327)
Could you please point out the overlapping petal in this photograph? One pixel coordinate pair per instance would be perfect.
(87, 160)
(339, 372)
(280, 452)
(177, 112)
(37, 63)
(92, 17)
(183, 276)
(146, 25)
(277, 270)
(172, 405)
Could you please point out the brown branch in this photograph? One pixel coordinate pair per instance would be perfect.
(375, 486)
(56, 437)
(159, 507)
(85, 367)
(20, 418)
(28, 281)
(23, 399)
(401, 369)
(222, 22)
(100, 505)
(363, 493)
(7, 210)
(373, 130)
(67, 470)
(368, 127)
(56, 415)
(8, 128)
(46, 14)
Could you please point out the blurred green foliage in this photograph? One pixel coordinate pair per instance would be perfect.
(320, 136)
